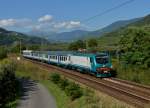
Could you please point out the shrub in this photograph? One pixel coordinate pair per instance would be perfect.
(3, 53)
(8, 65)
(54, 77)
(64, 83)
(9, 84)
(74, 91)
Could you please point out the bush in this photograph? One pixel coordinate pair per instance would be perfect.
(3, 53)
(74, 91)
(54, 77)
(8, 65)
(71, 89)
(9, 84)
(64, 83)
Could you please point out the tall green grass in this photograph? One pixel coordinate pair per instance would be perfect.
(132, 72)
(90, 98)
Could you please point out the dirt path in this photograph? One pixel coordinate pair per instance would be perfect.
(36, 96)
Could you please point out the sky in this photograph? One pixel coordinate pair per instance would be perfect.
(66, 15)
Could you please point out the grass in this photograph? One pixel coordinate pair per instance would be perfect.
(132, 73)
(12, 104)
(90, 99)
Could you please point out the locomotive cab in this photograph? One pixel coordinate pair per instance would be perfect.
(102, 65)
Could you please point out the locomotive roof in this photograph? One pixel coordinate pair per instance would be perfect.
(65, 53)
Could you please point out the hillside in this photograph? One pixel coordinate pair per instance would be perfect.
(112, 27)
(111, 40)
(10, 37)
(60, 37)
(81, 34)
(68, 36)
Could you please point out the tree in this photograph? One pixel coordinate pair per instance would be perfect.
(92, 43)
(3, 52)
(135, 45)
(79, 44)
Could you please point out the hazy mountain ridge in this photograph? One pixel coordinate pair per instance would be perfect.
(106, 34)
(82, 34)
(10, 37)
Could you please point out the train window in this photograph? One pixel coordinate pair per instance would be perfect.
(69, 58)
(102, 60)
(91, 60)
(46, 56)
(65, 58)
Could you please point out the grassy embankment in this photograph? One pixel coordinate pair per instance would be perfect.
(90, 98)
(131, 72)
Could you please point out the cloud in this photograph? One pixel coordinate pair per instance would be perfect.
(46, 18)
(60, 25)
(73, 24)
(15, 22)
(68, 24)
(45, 23)
(7, 22)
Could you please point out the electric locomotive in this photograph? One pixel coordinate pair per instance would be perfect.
(98, 64)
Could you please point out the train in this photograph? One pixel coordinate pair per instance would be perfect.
(97, 64)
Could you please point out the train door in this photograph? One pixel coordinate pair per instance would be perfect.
(92, 63)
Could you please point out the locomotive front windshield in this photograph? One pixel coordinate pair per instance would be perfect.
(102, 59)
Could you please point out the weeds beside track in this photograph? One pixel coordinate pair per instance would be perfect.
(131, 94)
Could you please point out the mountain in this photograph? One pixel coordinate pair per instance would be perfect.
(114, 26)
(10, 37)
(68, 36)
(81, 34)
(40, 33)
(60, 37)
(111, 40)
(142, 22)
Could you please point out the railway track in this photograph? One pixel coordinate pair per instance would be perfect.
(131, 93)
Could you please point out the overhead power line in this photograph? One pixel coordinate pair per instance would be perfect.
(108, 10)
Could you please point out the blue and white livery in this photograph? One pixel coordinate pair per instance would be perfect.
(97, 64)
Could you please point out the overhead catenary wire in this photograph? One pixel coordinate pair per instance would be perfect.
(107, 11)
